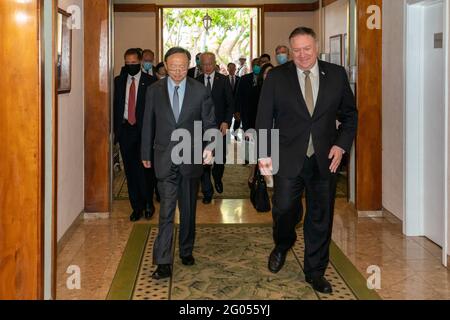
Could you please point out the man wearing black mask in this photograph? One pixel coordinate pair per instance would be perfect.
(129, 104)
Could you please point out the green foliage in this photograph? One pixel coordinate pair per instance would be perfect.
(228, 38)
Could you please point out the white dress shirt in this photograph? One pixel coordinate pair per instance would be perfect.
(242, 70)
(197, 72)
(137, 79)
(315, 80)
(211, 80)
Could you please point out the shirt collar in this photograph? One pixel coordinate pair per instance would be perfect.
(137, 77)
(314, 70)
(211, 75)
(172, 83)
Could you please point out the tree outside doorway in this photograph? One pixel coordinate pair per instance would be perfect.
(233, 32)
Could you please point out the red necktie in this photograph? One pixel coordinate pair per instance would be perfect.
(132, 103)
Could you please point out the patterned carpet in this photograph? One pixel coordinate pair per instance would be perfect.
(231, 264)
(234, 181)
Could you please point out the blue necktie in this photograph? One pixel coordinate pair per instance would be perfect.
(176, 104)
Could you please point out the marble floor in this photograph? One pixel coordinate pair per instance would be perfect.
(410, 266)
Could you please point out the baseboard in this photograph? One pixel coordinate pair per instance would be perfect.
(96, 215)
(67, 235)
(389, 215)
(370, 214)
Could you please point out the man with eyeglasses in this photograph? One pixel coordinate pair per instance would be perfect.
(222, 96)
(175, 102)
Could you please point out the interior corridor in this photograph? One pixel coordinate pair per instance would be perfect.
(411, 266)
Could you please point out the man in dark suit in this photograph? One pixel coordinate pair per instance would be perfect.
(196, 71)
(129, 103)
(148, 62)
(305, 97)
(232, 77)
(173, 105)
(234, 82)
(222, 96)
(247, 96)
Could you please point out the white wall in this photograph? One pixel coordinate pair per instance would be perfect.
(335, 21)
(71, 137)
(393, 108)
(279, 25)
(133, 30)
(447, 28)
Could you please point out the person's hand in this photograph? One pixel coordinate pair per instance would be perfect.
(207, 157)
(224, 128)
(147, 164)
(335, 155)
(265, 166)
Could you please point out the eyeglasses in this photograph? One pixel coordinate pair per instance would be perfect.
(179, 69)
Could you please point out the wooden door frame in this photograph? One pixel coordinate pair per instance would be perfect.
(55, 140)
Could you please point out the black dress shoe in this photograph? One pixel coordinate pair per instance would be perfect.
(135, 216)
(276, 260)
(219, 187)
(188, 260)
(206, 200)
(150, 212)
(320, 284)
(163, 271)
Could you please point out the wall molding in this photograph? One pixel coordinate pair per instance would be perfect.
(291, 7)
(327, 2)
(135, 7)
(268, 7)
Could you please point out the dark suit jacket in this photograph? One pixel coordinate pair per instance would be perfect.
(247, 98)
(235, 90)
(281, 99)
(191, 72)
(222, 96)
(159, 123)
(120, 87)
(236, 85)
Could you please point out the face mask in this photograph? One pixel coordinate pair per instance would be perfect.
(148, 66)
(282, 58)
(133, 69)
(256, 69)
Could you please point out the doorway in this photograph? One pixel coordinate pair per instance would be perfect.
(229, 32)
(425, 118)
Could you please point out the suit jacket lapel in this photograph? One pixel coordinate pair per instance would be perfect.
(141, 92)
(320, 103)
(216, 81)
(166, 95)
(186, 100)
(293, 76)
(123, 92)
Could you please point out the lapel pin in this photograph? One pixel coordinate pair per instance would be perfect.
(323, 73)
